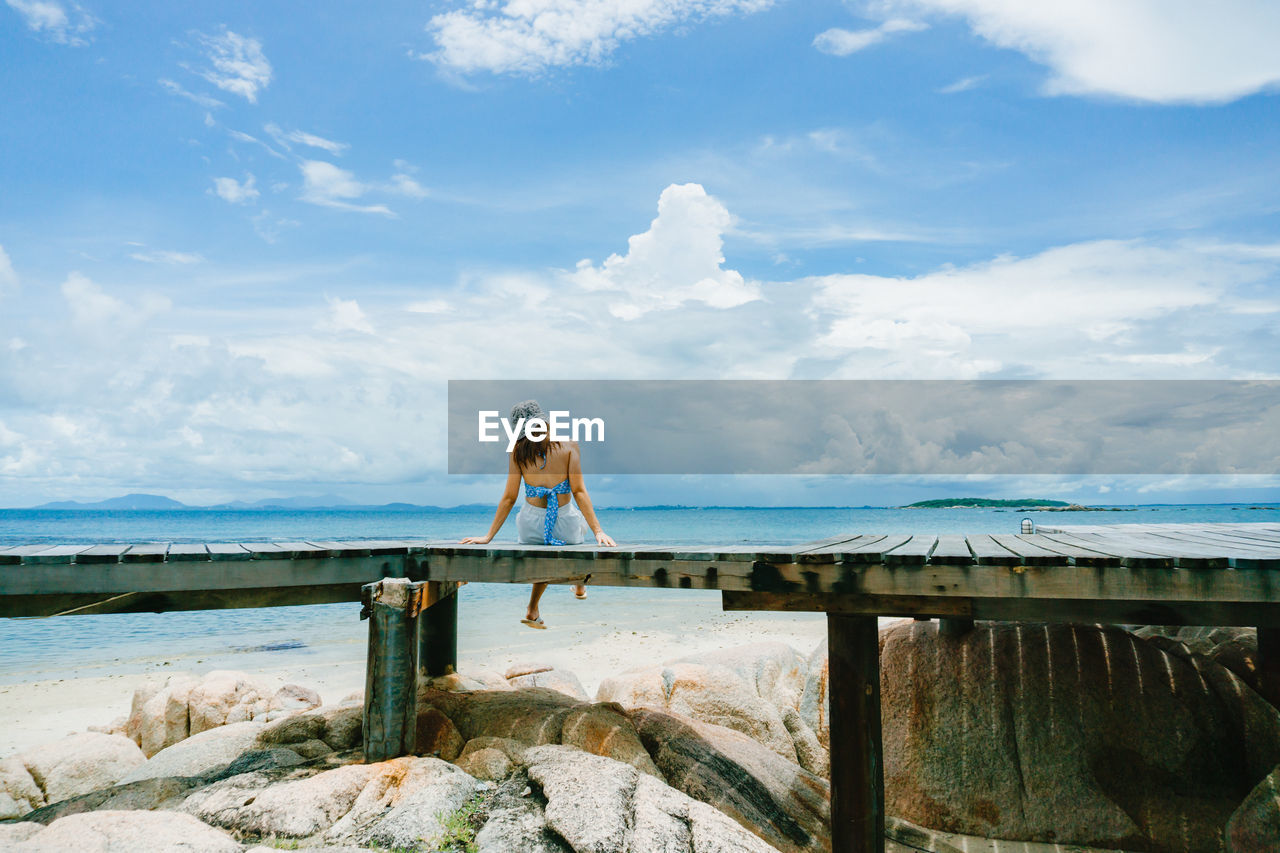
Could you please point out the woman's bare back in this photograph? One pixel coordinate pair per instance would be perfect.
(555, 471)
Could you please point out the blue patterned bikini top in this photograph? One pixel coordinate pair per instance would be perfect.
(553, 506)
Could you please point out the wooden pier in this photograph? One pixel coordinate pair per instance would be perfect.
(1139, 574)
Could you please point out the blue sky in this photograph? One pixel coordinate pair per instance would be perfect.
(242, 248)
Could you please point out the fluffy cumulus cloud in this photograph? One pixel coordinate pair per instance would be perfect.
(1166, 52)
(236, 192)
(351, 389)
(57, 22)
(838, 42)
(236, 64)
(529, 36)
(679, 259)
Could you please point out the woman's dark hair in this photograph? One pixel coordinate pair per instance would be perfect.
(531, 454)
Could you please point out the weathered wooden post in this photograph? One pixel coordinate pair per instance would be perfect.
(857, 754)
(438, 630)
(391, 680)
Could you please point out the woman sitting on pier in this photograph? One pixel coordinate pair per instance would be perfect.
(551, 470)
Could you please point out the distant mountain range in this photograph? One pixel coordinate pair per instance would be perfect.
(160, 502)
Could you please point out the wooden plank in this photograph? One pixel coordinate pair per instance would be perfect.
(101, 554)
(914, 552)
(988, 552)
(146, 552)
(1075, 555)
(1183, 556)
(64, 554)
(1114, 612)
(13, 555)
(220, 551)
(872, 552)
(1126, 558)
(79, 604)
(857, 751)
(187, 551)
(952, 550)
(339, 549)
(1029, 551)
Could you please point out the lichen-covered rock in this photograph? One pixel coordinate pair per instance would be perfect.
(605, 729)
(339, 726)
(199, 753)
(1072, 734)
(486, 763)
(517, 823)
(1255, 825)
(128, 832)
(710, 693)
(293, 808)
(532, 716)
(81, 763)
(404, 803)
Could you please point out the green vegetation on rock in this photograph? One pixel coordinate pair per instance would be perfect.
(948, 503)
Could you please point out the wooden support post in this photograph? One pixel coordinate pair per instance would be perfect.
(954, 627)
(391, 680)
(438, 630)
(1269, 664)
(857, 754)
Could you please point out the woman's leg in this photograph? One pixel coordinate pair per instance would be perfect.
(535, 595)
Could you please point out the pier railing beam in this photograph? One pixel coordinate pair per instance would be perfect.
(438, 630)
(857, 754)
(391, 679)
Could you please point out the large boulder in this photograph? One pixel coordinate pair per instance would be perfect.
(777, 799)
(199, 753)
(127, 832)
(1068, 734)
(404, 804)
(545, 675)
(814, 705)
(1234, 648)
(1255, 825)
(160, 717)
(517, 823)
(338, 726)
(602, 806)
(225, 696)
(539, 715)
(75, 765)
(774, 671)
(710, 693)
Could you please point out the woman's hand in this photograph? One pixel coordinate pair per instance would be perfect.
(475, 540)
(602, 538)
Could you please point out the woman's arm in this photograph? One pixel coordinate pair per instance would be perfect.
(509, 496)
(579, 489)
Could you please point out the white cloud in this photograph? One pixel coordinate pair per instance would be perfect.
(327, 185)
(964, 84)
(301, 137)
(1174, 51)
(8, 277)
(838, 42)
(405, 185)
(239, 65)
(235, 192)
(94, 309)
(345, 316)
(524, 37)
(206, 101)
(163, 256)
(677, 260)
(53, 21)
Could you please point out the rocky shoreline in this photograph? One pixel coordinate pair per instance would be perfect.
(1041, 736)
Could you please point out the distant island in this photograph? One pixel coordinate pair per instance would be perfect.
(1027, 504)
(147, 502)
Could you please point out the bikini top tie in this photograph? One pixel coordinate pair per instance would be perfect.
(553, 506)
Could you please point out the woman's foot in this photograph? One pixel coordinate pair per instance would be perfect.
(580, 591)
(533, 622)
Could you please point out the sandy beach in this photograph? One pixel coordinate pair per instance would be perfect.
(612, 631)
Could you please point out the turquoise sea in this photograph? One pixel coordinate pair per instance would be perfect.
(46, 648)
